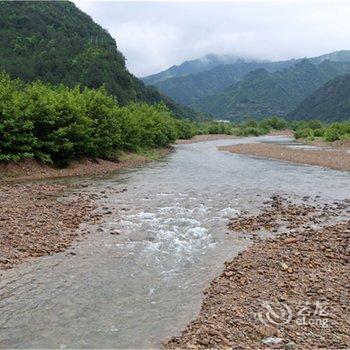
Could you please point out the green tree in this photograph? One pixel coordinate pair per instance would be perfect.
(16, 129)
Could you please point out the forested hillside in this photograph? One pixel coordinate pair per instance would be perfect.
(336, 56)
(217, 90)
(188, 89)
(56, 42)
(331, 102)
(262, 93)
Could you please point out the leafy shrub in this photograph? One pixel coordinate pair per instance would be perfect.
(251, 131)
(56, 124)
(337, 131)
(185, 129)
(147, 126)
(303, 133)
(274, 122)
(16, 128)
(314, 128)
(103, 120)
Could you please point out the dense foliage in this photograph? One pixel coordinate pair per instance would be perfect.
(249, 127)
(331, 102)
(57, 43)
(56, 124)
(252, 127)
(309, 130)
(314, 129)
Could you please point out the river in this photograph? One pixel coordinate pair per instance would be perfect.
(135, 288)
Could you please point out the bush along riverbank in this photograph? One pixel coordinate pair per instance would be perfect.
(284, 292)
(249, 127)
(56, 124)
(316, 130)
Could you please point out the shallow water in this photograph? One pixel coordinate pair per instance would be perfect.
(292, 143)
(134, 289)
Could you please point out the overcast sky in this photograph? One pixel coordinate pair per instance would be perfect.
(155, 35)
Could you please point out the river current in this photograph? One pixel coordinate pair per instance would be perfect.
(138, 277)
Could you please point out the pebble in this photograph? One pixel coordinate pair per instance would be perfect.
(272, 341)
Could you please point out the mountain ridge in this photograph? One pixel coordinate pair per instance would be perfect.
(186, 89)
(194, 66)
(261, 93)
(192, 89)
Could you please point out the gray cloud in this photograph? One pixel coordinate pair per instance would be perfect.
(156, 35)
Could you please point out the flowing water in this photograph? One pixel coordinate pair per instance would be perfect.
(135, 288)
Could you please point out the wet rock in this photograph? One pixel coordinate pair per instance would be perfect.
(267, 331)
(203, 341)
(290, 345)
(272, 341)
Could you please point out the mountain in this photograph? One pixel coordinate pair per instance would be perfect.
(188, 89)
(261, 93)
(331, 102)
(336, 56)
(205, 90)
(192, 67)
(55, 42)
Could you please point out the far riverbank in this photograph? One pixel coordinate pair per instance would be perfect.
(335, 157)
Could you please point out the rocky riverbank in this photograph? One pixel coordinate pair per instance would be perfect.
(285, 292)
(31, 169)
(38, 218)
(329, 156)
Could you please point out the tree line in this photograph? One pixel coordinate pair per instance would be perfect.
(316, 129)
(56, 124)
